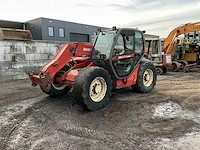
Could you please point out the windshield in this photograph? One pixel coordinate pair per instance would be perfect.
(104, 43)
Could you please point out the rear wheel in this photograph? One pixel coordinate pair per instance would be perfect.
(183, 63)
(57, 89)
(92, 88)
(146, 79)
(175, 66)
(164, 70)
(159, 70)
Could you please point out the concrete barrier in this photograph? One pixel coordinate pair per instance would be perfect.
(19, 57)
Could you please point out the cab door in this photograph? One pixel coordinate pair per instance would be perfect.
(127, 51)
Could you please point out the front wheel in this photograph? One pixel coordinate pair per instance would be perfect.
(92, 88)
(146, 79)
(57, 89)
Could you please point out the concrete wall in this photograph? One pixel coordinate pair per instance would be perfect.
(19, 57)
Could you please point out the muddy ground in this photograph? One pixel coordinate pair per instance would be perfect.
(166, 118)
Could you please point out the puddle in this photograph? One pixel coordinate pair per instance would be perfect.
(170, 109)
(190, 141)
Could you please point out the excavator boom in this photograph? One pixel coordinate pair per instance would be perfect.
(182, 29)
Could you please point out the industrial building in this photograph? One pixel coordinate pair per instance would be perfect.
(57, 30)
(54, 30)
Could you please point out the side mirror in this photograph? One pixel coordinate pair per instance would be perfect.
(99, 29)
(114, 28)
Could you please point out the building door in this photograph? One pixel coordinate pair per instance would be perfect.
(75, 37)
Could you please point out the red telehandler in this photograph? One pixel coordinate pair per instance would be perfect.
(114, 61)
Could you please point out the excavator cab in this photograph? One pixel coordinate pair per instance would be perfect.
(119, 50)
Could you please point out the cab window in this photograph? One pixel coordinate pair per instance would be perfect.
(138, 42)
(139, 46)
(123, 54)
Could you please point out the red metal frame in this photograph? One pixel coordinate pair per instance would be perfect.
(76, 56)
(64, 56)
(131, 80)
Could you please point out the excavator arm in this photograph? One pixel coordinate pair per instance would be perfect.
(182, 29)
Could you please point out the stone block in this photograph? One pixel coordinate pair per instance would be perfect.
(43, 50)
(5, 43)
(1, 54)
(1, 58)
(44, 56)
(16, 50)
(29, 57)
(19, 65)
(33, 68)
(5, 65)
(18, 57)
(52, 44)
(41, 44)
(29, 43)
(50, 56)
(5, 49)
(20, 44)
(53, 50)
(8, 57)
(31, 49)
(38, 50)
(42, 62)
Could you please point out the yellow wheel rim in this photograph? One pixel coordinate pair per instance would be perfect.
(148, 77)
(98, 89)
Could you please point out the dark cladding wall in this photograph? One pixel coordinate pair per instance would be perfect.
(35, 27)
(39, 29)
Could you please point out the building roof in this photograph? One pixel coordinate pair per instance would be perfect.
(11, 24)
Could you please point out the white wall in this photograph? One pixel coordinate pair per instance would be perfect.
(19, 57)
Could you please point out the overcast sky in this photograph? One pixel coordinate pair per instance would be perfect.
(157, 17)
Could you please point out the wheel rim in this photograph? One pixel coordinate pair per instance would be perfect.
(175, 66)
(58, 86)
(159, 70)
(98, 89)
(148, 77)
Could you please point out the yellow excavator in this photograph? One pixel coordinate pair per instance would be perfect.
(185, 50)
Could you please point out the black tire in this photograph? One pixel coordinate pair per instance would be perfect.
(140, 86)
(159, 70)
(84, 95)
(176, 66)
(164, 70)
(56, 89)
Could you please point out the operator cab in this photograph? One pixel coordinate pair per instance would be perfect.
(119, 49)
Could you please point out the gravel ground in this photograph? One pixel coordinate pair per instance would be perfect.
(167, 118)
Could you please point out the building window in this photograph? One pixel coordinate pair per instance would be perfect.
(94, 33)
(51, 31)
(61, 32)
